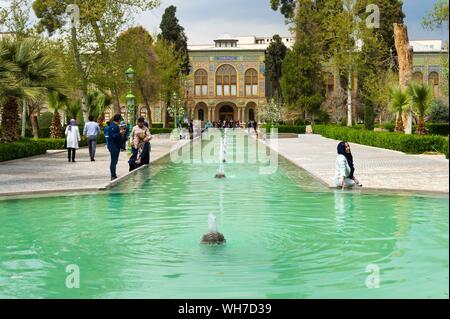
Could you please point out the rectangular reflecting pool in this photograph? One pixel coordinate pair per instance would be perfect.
(287, 237)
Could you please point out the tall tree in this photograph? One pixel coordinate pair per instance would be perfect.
(173, 32)
(390, 12)
(302, 81)
(343, 37)
(168, 70)
(276, 52)
(101, 20)
(135, 46)
(286, 7)
(30, 72)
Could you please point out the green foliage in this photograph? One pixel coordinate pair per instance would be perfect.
(439, 111)
(412, 144)
(438, 129)
(400, 100)
(173, 32)
(155, 131)
(14, 150)
(45, 120)
(420, 97)
(302, 82)
(298, 129)
(436, 18)
(31, 147)
(286, 7)
(275, 54)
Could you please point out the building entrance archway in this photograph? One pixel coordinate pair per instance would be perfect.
(226, 113)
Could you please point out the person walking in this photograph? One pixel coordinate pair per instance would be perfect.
(91, 131)
(72, 139)
(115, 143)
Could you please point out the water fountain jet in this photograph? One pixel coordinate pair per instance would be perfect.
(213, 237)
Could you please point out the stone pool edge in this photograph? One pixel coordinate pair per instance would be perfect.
(364, 190)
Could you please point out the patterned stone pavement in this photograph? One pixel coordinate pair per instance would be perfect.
(53, 173)
(376, 168)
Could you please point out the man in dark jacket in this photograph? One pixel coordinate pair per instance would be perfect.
(115, 143)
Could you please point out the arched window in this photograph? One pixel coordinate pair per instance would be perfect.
(201, 83)
(418, 77)
(226, 81)
(201, 115)
(433, 81)
(251, 82)
(143, 113)
(329, 81)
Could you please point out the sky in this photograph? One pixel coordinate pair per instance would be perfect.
(205, 20)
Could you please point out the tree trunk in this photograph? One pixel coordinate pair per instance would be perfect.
(10, 121)
(56, 128)
(81, 74)
(349, 99)
(399, 124)
(24, 118)
(107, 64)
(421, 129)
(147, 104)
(405, 62)
(35, 126)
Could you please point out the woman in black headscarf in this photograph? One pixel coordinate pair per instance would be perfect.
(343, 169)
(348, 155)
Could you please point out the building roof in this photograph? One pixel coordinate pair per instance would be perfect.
(244, 43)
(427, 46)
(254, 43)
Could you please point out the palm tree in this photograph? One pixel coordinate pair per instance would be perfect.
(56, 102)
(421, 101)
(97, 102)
(399, 102)
(73, 109)
(31, 72)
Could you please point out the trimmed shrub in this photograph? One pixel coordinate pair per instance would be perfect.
(25, 148)
(31, 147)
(157, 125)
(155, 131)
(412, 144)
(438, 129)
(299, 129)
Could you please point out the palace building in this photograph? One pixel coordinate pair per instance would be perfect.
(227, 78)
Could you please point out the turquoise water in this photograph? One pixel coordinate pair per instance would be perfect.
(287, 237)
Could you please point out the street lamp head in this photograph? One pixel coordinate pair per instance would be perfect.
(130, 73)
(130, 98)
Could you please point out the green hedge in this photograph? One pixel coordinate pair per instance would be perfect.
(160, 130)
(437, 129)
(299, 129)
(31, 147)
(412, 144)
(157, 125)
(26, 148)
(433, 128)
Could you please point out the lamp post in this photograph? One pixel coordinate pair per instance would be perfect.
(130, 99)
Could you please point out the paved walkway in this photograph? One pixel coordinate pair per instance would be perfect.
(376, 168)
(53, 173)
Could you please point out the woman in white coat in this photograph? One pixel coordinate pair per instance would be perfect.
(72, 139)
(343, 170)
